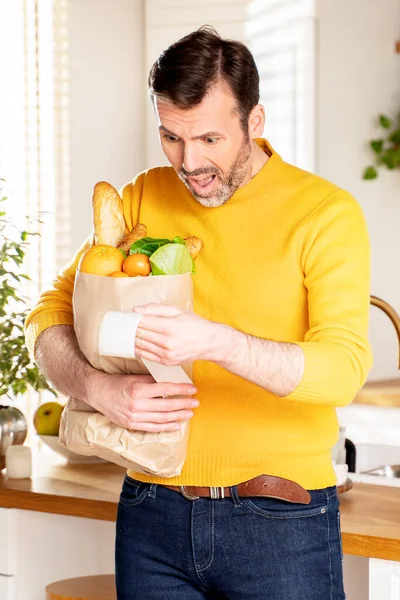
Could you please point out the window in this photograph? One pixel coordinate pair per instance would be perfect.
(34, 136)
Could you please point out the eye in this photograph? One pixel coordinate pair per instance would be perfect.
(211, 140)
(170, 138)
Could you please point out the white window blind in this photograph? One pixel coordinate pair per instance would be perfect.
(34, 129)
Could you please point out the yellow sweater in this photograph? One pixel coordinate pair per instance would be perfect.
(286, 259)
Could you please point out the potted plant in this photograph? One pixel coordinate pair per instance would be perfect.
(386, 149)
(18, 372)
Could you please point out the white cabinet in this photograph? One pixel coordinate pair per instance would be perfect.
(8, 534)
(38, 548)
(384, 580)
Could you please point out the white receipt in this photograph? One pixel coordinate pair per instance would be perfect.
(117, 335)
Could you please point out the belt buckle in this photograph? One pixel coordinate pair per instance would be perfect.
(217, 493)
(186, 494)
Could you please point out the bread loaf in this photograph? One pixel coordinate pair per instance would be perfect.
(108, 215)
(137, 233)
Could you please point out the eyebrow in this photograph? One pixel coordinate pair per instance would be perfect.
(197, 137)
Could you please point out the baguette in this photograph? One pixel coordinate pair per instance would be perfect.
(108, 215)
(137, 233)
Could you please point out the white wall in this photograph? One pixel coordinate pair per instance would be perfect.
(359, 78)
(113, 135)
(107, 94)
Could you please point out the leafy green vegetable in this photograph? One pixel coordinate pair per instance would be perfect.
(178, 240)
(148, 245)
(171, 259)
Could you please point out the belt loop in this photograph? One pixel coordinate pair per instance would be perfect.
(152, 490)
(237, 502)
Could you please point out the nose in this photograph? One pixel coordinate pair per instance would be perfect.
(191, 159)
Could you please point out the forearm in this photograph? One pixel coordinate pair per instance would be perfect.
(59, 357)
(276, 366)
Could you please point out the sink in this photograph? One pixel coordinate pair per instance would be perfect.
(374, 456)
(389, 471)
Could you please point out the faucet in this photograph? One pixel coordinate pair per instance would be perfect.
(391, 313)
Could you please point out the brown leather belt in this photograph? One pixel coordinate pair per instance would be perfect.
(262, 485)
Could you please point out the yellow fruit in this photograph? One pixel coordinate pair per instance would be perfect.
(137, 264)
(118, 274)
(47, 418)
(101, 260)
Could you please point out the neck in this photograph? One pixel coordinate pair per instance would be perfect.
(259, 158)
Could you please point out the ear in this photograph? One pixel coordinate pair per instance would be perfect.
(256, 121)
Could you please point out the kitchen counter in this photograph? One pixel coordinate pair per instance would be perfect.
(370, 513)
(380, 393)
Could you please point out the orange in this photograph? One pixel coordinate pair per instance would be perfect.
(118, 274)
(101, 260)
(136, 264)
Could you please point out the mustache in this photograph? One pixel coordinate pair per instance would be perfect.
(197, 172)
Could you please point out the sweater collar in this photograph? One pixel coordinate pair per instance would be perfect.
(263, 176)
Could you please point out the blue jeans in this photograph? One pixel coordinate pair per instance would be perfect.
(171, 548)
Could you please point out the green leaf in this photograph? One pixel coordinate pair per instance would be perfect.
(122, 252)
(24, 235)
(178, 240)
(385, 121)
(370, 173)
(391, 158)
(395, 137)
(377, 145)
(148, 245)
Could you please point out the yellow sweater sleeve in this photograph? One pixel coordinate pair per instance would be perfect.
(336, 265)
(55, 305)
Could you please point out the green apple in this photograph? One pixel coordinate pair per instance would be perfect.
(47, 418)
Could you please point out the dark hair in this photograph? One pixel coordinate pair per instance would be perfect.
(185, 71)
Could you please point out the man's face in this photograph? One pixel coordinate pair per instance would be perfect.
(206, 145)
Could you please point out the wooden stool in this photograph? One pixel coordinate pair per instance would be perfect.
(97, 587)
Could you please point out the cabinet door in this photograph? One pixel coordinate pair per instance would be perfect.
(7, 587)
(8, 535)
(384, 580)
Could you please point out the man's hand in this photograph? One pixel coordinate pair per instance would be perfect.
(137, 402)
(172, 336)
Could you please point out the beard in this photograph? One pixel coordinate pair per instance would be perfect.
(228, 183)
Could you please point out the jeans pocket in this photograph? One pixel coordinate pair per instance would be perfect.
(279, 509)
(133, 491)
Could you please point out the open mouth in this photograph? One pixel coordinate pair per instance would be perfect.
(203, 185)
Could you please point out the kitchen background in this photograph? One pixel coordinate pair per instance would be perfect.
(74, 99)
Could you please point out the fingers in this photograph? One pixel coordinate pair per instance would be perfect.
(160, 310)
(163, 404)
(142, 378)
(162, 417)
(160, 390)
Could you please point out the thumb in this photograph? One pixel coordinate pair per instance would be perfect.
(157, 310)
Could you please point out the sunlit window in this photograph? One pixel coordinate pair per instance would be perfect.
(34, 136)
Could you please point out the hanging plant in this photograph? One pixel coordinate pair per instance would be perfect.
(386, 149)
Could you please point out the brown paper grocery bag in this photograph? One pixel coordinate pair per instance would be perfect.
(88, 432)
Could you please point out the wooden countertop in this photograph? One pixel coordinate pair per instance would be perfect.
(370, 513)
(380, 393)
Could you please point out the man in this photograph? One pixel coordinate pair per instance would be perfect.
(279, 339)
